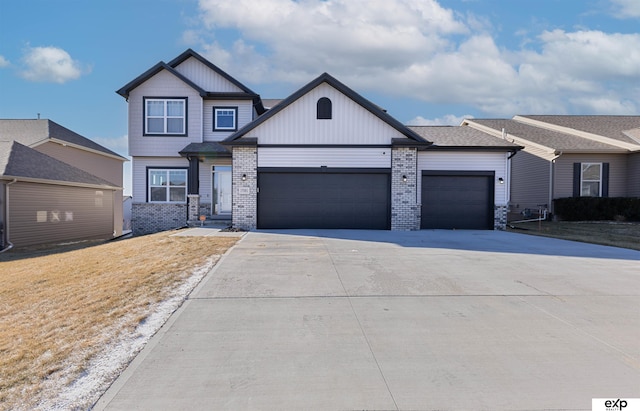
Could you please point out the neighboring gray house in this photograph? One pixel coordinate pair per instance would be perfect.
(48, 137)
(325, 157)
(569, 156)
(44, 200)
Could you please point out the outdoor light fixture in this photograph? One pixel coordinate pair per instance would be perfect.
(501, 180)
(404, 178)
(244, 177)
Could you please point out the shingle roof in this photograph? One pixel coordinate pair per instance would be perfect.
(552, 139)
(461, 136)
(208, 147)
(607, 126)
(29, 132)
(20, 161)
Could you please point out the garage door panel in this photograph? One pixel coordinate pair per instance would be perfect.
(323, 200)
(457, 202)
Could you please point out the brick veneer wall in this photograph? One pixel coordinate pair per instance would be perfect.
(405, 211)
(149, 218)
(245, 193)
(500, 217)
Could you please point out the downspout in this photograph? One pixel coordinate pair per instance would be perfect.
(6, 215)
(552, 169)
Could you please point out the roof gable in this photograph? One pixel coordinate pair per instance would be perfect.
(327, 79)
(125, 90)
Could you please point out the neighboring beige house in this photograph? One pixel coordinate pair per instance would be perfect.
(59, 143)
(568, 156)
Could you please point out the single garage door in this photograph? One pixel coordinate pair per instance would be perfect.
(324, 198)
(457, 200)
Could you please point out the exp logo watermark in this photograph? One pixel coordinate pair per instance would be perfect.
(615, 404)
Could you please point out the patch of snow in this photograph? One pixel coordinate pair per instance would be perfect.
(103, 369)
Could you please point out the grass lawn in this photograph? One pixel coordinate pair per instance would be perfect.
(61, 308)
(612, 233)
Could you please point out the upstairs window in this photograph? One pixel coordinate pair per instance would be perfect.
(225, 118)
(167, 185)
(165, 116)
(323, 109)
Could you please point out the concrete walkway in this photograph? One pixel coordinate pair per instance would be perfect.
(379, 320)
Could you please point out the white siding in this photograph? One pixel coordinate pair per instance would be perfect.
(203, 76)
(351, 123)
(617, 173)
(163, 84)
(139, 172)
(245, 115)
(467, 161)
(319, 156)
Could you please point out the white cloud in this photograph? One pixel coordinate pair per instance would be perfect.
(50, 64)
(626, 9)
(3, 62)
(446, 120)
(418, 49)
(118, 144)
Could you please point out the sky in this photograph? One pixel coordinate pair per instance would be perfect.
(427, 62)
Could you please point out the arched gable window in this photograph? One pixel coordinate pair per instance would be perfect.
(324, 109)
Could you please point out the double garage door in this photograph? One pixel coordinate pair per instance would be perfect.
(361, 199)
(324, 198)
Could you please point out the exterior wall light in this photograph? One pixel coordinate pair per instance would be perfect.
(404, 178)
(244, 177)
(501, 180)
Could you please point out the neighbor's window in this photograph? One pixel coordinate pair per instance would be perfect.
(167, 186)
(225, 118)
(165, 116)
(591, 180)
(323, 108)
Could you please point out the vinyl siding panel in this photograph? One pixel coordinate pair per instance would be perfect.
(43, 213)
(139, 172)
(163, 84)
(467, 161)
(563, 179)
(245, 115)
(203, 76)
(633, 175)
(319, 156)
(351, 123)
(530, 179)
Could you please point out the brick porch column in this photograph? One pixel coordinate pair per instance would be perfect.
(245, 187)
(405, 211)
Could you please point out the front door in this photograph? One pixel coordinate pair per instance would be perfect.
(222, 189)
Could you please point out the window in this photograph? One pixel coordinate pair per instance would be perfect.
(167, 185)
(165, 116)
(591, 178)
(323, 109)
(225, 118)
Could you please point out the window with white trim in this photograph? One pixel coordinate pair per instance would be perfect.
(165, 116)
(591, 180)
(225, 118)
(167, 185)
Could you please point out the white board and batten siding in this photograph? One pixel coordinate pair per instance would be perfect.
(204, 77)
(350, 123)
(139, 167)
(245, 115)
(47, 213)
(467, 161)
(166, 85)
(332, 157)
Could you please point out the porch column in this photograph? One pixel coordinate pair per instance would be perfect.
(245, 186)
(193, 189)
(405, 210)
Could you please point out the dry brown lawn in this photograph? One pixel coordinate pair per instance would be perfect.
(611, 233)
(61, 307)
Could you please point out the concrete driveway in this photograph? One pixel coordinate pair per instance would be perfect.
(379, 320)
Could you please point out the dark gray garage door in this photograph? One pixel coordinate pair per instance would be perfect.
(457, 200)
(333, 198)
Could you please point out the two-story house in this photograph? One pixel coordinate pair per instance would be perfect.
(325, 157)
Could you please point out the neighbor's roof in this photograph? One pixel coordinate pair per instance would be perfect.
(462, 137)
(333, 82)
(20, 161)
(606, 126)
(31, 131)
(544, 137)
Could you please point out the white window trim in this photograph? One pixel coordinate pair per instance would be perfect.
(168, 186)
(583, 180)
(215, 118)
(165, 116)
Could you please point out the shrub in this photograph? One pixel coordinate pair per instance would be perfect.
(597, 208)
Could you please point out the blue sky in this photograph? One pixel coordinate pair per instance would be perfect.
(425, 61)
